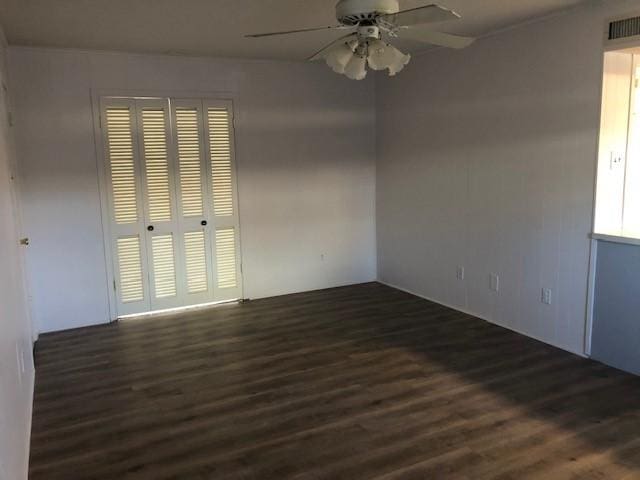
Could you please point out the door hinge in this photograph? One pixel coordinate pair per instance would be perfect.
(100, 121)
(115, 289)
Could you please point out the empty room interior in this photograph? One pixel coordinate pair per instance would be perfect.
(332, 239)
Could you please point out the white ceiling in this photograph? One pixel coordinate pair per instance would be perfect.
(217, 27)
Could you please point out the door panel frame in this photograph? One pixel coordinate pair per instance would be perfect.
(166, 227)
(128, 230)
(224, 222)
(103, 185)
(193, 224)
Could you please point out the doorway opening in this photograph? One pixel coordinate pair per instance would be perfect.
(617, 208)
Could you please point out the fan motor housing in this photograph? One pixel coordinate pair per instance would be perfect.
(354, 12)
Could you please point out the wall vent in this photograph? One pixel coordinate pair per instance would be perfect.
(629, 27)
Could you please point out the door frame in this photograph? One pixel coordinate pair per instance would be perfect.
(103, 184)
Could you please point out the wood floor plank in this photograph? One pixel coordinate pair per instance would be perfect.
(360, 382)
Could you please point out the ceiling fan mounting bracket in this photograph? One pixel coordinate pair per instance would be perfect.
(356, 12)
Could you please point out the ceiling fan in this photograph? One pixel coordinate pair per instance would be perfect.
(371, 24)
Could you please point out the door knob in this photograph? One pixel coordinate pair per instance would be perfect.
(203, 223)
(150, 228)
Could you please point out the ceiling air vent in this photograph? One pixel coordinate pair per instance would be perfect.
(629, 27)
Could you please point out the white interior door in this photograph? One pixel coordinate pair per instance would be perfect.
(172, 212)
(161, 218)
(194, 210)
(126, 215)
(220, 143)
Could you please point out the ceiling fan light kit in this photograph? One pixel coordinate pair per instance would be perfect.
(375, 22)
(351, 56)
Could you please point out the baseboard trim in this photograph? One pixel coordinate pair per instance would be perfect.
(310, 289)
(468, 312)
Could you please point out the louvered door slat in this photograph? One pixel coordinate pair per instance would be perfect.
(221, 173)
(130, 269)
(164, 270)
(226, 257)
(121, 158)
(156, 161)
(196, 262)
(190, 161)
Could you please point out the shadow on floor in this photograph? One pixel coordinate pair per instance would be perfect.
(587, 409)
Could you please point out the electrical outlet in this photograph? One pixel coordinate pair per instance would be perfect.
(494, 282)
(460, 273)
(546, 296)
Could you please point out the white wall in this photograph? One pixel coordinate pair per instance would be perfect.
(486, 159)
(16, 364)
(306, 171)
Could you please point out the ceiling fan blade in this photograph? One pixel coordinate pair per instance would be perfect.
(435, 38)
(319, 54)
(273, 34)
(421, 15)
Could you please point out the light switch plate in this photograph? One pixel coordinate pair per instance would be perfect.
(18, 364)
(616, 160)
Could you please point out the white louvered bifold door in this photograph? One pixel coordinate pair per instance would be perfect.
(125, 210)
(222, 195)
(193, 209)
(172, 202)
(159, 192)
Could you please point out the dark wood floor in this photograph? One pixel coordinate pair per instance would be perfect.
(362, 382)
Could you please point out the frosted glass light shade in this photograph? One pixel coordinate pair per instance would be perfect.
(399, 61)
(338, 58)
(351, 58)
(356, 69)
(381, 55)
